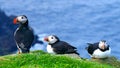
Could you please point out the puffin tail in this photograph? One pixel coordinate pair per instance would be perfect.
(25, 51)
(77, 53)
(86, 48)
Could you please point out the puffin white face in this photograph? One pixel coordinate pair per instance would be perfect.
(102, 45)
(20, 19)
(51, 39)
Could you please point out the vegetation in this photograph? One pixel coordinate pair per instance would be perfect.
(113, 61)
(40, 59)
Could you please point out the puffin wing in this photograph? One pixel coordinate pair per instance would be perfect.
(64, 48)
(24, 38)
(92, 47)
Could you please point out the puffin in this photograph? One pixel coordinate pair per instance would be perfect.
(56, 46)
(23, 35)
(99, 50)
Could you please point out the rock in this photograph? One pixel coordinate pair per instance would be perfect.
(113, 61)
(73, 55)
(7, 44)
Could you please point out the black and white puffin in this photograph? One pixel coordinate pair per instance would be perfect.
(99, 50)
(56, 46)
(23, 35)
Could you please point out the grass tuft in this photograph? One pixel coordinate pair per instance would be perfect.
(40, 59)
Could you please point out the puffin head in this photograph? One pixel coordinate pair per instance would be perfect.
(20, 19)
(102, 44)
(51, 39)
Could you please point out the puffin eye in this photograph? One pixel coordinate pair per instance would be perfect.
(51, 37)
(22, 17)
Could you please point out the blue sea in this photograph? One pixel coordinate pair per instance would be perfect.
(74, 21)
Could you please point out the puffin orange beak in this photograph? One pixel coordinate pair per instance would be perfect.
(103, 47)
(15, 21)
(46, 39)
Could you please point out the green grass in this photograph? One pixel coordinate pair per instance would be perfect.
(113, 61)
(39, 59)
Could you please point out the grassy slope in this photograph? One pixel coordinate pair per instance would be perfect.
(40, 59)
